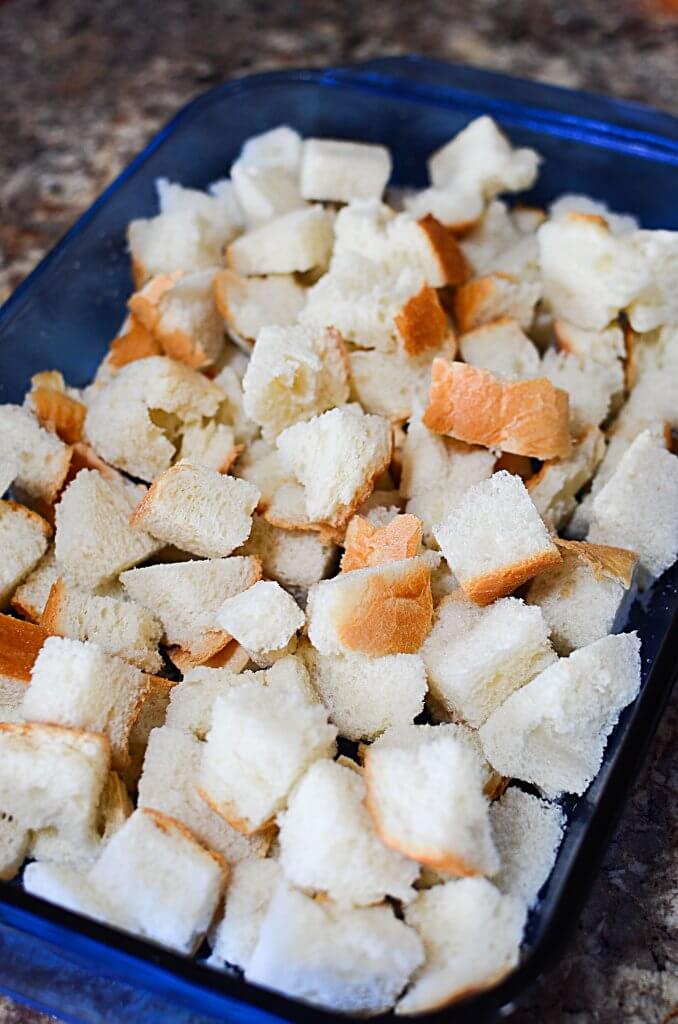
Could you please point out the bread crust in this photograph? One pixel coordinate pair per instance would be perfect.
(143, 305)
(367, 545)
(459, 994)
(136, 343)
(20, 644)
(84, 457)
(171, 825)
(423, 324)
(453, 264)
(242, 825)
(60, 413)
(392, 616)
(518, 465)
(30, 514)
(469, 299)
(485, 589)
(53, 607)
(604, 560)
(524, 417)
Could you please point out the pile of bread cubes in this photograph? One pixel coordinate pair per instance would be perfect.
(313, 599)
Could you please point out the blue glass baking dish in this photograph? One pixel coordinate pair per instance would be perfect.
(64, 315)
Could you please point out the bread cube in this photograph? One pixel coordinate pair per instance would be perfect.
(424, 790)
(365, 544)
(20, 644)
(181, 240)
(152, 716)
(501, 347)
(67, 886)
(218, 207)
(592, 386)
(40, 460)
(24, 536)
(338, 171)
(486, 299)
(525, 417)
(212, 446)
(389, 384)
(294, 374)
(605, 346)
(482, 155)
(475, 657)
(251, 885)
(655, 305)
(527, 833)
(554, 488)
(295, 558)
(354, 959)
(292, 243)
(494, 540)
(248, 304)
(471, 934)
(552, 732)
(277, 147)
(264, 192)
(262, 739)
(186, 321)
(263, 618)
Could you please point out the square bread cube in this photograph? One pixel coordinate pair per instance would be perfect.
(475, 657)
(486, 299)
(527, 833)
(264, 192)
(40, 460)
(425, 792)
(336, 171)
(355, 959)
(250, 889)
(494, 540)
(593, 387)
(263, 618)
(180, 240)
(502, 347)
(24, 536)
(218, 207)
(277, 147)
(295, 558)
(248, 304)
(482, 155)
(552, 732)
(328, 843)
(293, 242)
(186, 321)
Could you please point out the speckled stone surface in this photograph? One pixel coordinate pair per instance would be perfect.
(84, 85)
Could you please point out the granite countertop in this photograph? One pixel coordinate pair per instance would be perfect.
(84, 85)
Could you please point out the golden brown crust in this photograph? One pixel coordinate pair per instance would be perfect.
(524, 417)
(469, 299)
(604, 560)
(422, 323)
(518, 465)
(392, 615)
(147, 503)
(20, 644)
(29, 513)
(451, 259)
(136, 343)
(460, 993)
(180, 346)
(32, 729)
(53, 606)
(367, 545)
(487, 588)
(59, 413)
(231, 458)
(84, 457)
(579, 216)
(225, 811)
(170, 825)
(143, 305)
(207, 646)
(226, 281)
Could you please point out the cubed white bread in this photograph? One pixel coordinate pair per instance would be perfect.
(133, 420)
(218, 207)
(169, 783)
(248, 304)
(14, 840)
(437, 471)
(24, 536)
(277, 147)
(365, 696)
(367, 544)
(389, 384)
(587, 596)
(554, 488)
(167, 884)
(656, 304)
(121, 628)
(53, 777)
(494, 540)
(484, 299)
(398, 241)
(20, 644)
(349, 959)
(263, 618)
(94, 539)
(328, 843)
(292, 243)
(67, 886)
(186, 320)
(8, 471)
(495, 233)
(501, 347)
(182, 240)
(152, 716)
(527, 833)
(475, 657)
(638, 506)
(40, 459)
(605, 346)
(262, 739)
(588, 273)
(295, 558)
(229, 382)
(262, 465)
(573, 202)
(384, 609)
(552, 732)
(78, 685)
(264, 192)
(294, 373)
(480, 155)
(592, 386)
(337, 171)
(251, 885)
(356, 448)
(212, 446)
(455, 209)
(186, 597)
(651, 402)
(425, 792)
(198, 510)
(471, 933)
(30, 598)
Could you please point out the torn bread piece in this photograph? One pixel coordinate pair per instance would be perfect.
(248, 304)
(56, 407)
(471, 933)
(218, 207)
(552, 732)
(294, 373)
(385, 609)
(482, 155)
(593, 387)
(264, 192)
(573, 202)
(262, 740)
(263, 618)
(365, 696)
(198, 510)
(366, 545)
(328, 844)
(333, 170)
(292, 243)
(132, 342)
(524, 417)
(186, 596)
(485, 299)
(555, 487)
(212, 445)
(94, 540)
(655, 305)
(355, 959)
(502, 347)
(40, 459)
(24, 537)
(120, 628)
(133, 420)
(587, 596)
(425, 793)
(494, 539)
(295, 558)
(169, 783)
(185, 319)
(179, 240)
(356, 448)
(80, 686)
(475, 657)
(527, 833)
(638, 506)
(606, 346)
(53, 777)
(390, 384)
(20, 644)
(250, 889)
